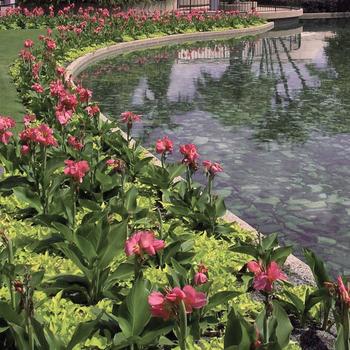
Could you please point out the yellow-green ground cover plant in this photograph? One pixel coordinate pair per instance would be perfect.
(102, 248)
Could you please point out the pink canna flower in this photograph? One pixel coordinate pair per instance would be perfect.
(76, 170)
(28, 119)
(143, 242)
(264, 278)
(166, 305)
(130, 117)
(26, 55)
(68, 101)
(117, 165)
(201, 275)
(50, 44)
(159, 306)
(38, 88)
(189, 151)
(5, 137)
(164, 145)
(193, 299)
(36, 69)
(25, 149)
(42, 135)
(57, 88)
(6, 123)
(84, 94)
(63, 115)
(212, 168)
(344, 292)
(60, 71)
(92, 110)
(74, 143)
(28, 43)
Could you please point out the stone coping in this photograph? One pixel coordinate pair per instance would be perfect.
(321, 15)
(297, 269)
(281, 14)
(81, 63)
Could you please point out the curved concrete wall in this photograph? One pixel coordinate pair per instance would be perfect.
(81, 63)
(281, 14)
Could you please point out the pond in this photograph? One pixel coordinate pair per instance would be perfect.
(273, 109)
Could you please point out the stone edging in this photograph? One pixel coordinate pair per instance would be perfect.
(82, 62)
(281, 14)
(320, 15)
(295, 266)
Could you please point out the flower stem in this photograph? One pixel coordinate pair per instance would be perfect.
(346, 326)
(189, 178)
(182, 326)
(266, 319)
(8, 242)
(210, 185)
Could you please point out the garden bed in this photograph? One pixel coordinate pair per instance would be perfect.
(93, 233)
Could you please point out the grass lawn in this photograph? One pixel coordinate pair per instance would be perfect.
(11, 42)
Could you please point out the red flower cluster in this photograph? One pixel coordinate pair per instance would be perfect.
(28, 43)
(50, 44)
(66, 106)
(76, 170)
(201, 275)
(130, 117)
(28, 119)
(57, 88)
(6, 123)
(264, 278)
(189, 151)
(41, 134)
(38, 88)
(143, 242)
(167, 305)
(344, 292)
(74, 143)
(164, 145)
(118, 165)
(26, 56)
(36, 69)
(60, 71)
(212, 168)
(92, 110)
(84, 94)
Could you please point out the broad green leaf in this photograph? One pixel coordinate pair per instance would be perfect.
(317, 267)
(221, 298)
(10, 315)
(82, 332)
(281, 254)
(155, 328)
(12, 182)
(297, 302)
(135, 308)
(269, 241)
(236, 333)
(39, 333)
(130, 202)
(86, 247)
(124, 271)
(26, 195)
(115, 243)
(284, 327)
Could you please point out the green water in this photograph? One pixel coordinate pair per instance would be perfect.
(274, 110)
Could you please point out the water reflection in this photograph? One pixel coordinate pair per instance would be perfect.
(274, 109)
